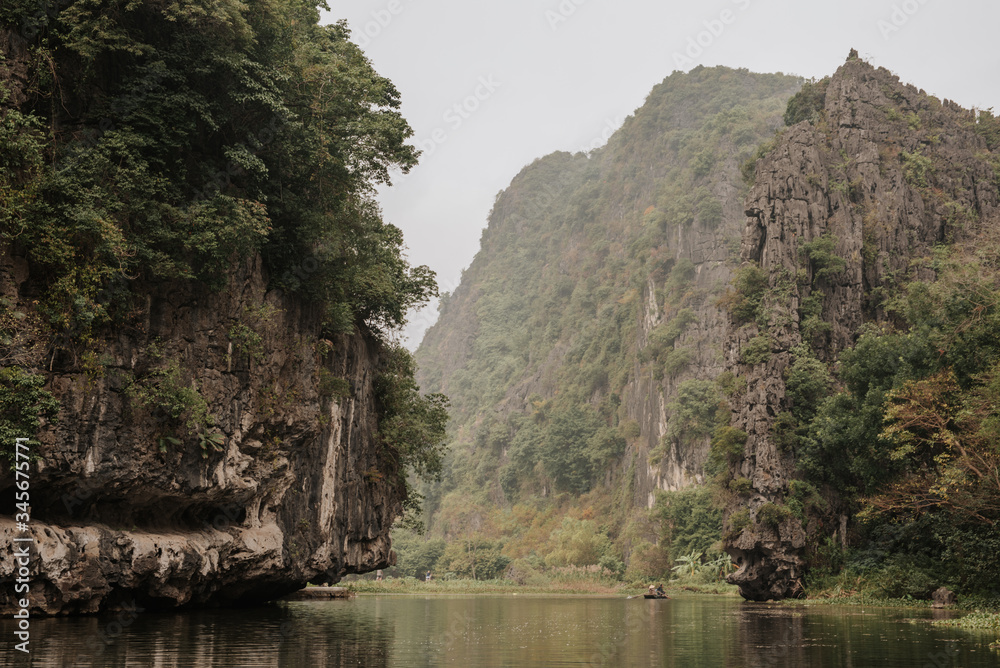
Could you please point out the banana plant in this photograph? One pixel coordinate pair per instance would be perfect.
(688, 562)
(721, 565)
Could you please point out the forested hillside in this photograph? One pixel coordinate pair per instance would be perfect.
(157, 143)
(709, 336)
(582, 352)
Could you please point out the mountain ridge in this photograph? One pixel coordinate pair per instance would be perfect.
(626, 239)
(674, 318)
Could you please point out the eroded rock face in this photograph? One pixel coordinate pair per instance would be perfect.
(854, 173)
(943, 598)
(298, 492)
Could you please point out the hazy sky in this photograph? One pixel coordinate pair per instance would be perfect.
(489, 87)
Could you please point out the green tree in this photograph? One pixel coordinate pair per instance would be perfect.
(415, 555)
(475, 559)
(695, 412)
(821, 255)
(577, 543)
(185, 137)
(23, 403)
(564, 449)
(411, 424)
(690, 520)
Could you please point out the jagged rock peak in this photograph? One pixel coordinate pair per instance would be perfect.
(883, 172)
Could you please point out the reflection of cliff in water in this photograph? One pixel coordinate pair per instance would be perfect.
(692, 632)
(776, 636)
(318, 634)
(769, 637)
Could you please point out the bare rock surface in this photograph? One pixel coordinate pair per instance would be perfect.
(299, 489)
(944, 598)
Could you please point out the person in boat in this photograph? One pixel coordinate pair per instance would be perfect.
(659, 589)
(651, 591)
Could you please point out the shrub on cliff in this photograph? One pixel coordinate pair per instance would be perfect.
(744, 299)
(820, 252)
(808, 103)
(23, 403)
(411, 424)
(772, 515)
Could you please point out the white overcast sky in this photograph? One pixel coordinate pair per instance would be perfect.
(535, 76)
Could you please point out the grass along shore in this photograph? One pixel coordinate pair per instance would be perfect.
(581, 587)
(980, 615)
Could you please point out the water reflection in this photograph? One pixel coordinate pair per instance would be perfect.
(416, 631)
(772, 636)
(769, 636)
(301, 634)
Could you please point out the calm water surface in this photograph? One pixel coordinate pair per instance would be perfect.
(505, 631)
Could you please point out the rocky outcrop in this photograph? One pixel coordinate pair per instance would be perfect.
(943, 598)
(887, 172)
(130, 506)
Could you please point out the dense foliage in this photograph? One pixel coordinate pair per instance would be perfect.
(22, 403)
(910, 440)
(807, 104)
(411, 425)
(148, 142)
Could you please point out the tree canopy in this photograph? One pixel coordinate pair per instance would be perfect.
(150, 141)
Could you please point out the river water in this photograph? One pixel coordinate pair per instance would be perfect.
(416, 631)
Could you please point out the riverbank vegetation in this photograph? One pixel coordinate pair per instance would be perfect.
(908, 440)
(553, 544)
(973, 620)
(566, 584)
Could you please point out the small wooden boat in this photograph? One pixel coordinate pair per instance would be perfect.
(655, 596)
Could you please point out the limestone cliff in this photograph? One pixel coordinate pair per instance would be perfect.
(596, 285)
(127, 506)
(885, 172)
